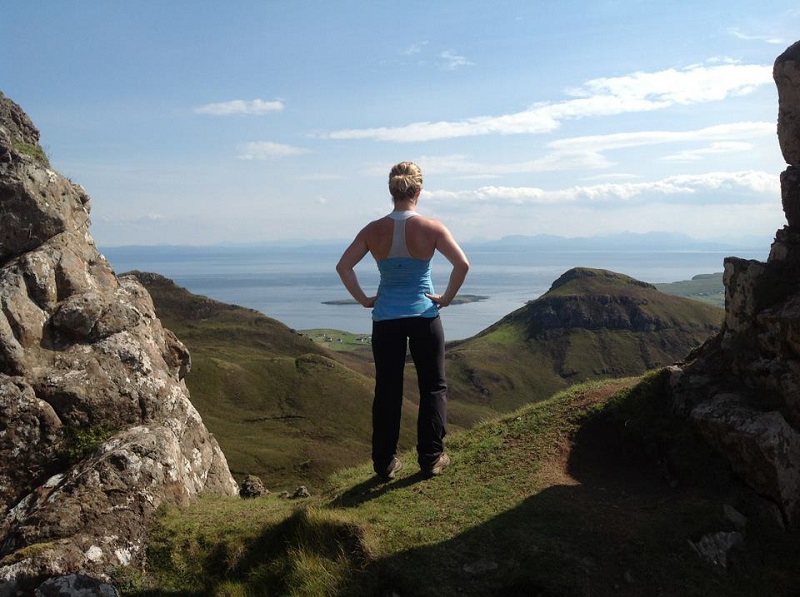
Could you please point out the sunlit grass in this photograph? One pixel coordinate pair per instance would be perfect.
(542, 500)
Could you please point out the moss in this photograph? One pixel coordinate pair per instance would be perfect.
(81, 442)
(35, 151)
(29, 551)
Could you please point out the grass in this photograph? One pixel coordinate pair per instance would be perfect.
(574, 495)
(35, 151)
(81, 442)
(338, 340)
(707, 288)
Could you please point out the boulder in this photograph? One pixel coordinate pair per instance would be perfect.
(786, 73)
(790, 195)
(762, 447)
(97, 429)
(252, 487)
(75, 585)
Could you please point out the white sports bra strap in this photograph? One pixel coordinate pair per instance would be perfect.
(399, 248)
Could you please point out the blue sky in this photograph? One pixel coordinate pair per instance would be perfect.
(196, 122)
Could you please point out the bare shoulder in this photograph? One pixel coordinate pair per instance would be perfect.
(375, 227)
(431, 225)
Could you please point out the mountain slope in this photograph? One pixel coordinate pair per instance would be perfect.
(591, 324)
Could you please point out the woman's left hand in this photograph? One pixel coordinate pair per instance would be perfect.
(437, 298)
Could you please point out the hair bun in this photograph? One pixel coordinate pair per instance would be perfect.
(405, 181)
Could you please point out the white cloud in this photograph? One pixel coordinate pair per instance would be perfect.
(730, 131)
(736, 32)
(747, 186)
(522, 122)
(613, 176)
(268, 150)
(689, 155)
(691, 85)
(554, 161)
(241, 107)
(587, 152)
(452, 61)
(637, 92)
(415, 48)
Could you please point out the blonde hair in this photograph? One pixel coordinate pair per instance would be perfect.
(405, 181)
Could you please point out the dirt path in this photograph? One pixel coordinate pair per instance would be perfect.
(558, 470)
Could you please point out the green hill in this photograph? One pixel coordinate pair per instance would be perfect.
(591, 324)
(596, 491)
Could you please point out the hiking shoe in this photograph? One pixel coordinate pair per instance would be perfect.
(394, 466)
(438, 466)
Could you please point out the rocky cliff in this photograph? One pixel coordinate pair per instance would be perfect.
(96, 426)
(742, 389)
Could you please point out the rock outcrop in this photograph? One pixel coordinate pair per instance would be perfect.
(96, 426)
(742, 389)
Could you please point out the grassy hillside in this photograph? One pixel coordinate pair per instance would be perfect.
(281, 407)
(595, 491)
(708, 288)
(591, 324)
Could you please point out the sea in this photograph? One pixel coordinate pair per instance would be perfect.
(292, 283)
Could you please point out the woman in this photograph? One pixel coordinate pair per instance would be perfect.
(405, 312)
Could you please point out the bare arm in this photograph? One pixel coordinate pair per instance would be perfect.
(350, 258)
(448, 247)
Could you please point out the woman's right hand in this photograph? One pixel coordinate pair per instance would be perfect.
(370, 302)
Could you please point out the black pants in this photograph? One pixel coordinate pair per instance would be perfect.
(425, 338)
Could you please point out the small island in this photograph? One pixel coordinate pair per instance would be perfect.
(461, 299)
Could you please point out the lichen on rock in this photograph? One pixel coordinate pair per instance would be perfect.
(82, 355)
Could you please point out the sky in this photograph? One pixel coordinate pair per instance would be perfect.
(202, 122)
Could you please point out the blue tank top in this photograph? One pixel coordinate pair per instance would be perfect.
(404, 279)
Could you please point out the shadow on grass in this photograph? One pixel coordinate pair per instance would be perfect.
(565, 540)
(372, 488)
(623, 529)
(266, 565)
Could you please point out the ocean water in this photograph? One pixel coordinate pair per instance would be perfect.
(290, 284)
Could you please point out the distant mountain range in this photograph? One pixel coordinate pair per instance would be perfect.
(651, 241)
